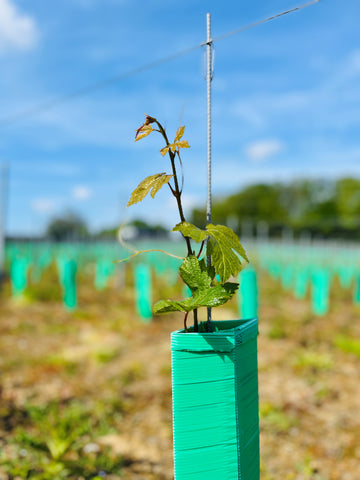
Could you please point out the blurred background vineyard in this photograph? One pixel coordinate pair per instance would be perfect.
(85, 373)
(86, 381)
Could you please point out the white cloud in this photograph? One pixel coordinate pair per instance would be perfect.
(17, 30)
(43, 205)
(81, 192)
(263, 149)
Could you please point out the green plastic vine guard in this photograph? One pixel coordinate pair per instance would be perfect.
(357, 290)
(320, 291)
(18, 275)
(346, 275)
(143, 291)
(67, 273)
(301, 282)
(248, 294)
(274, 269)
(104, 269)
(287, 276)
(215, 402)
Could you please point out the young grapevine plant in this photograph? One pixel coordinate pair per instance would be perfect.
(209, 282)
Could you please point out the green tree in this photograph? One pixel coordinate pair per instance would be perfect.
(325, 207)
(69, 226)
(255, 202)
(347, 198)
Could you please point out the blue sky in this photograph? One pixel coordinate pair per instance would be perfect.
(286, 101)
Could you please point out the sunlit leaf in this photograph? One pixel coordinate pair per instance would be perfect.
(162, 180)
(151, 184)
(179, 134)
(174, 147)
(143, 132)
(166, 306)
(214, 296)
(164, 150)
(190, 230)
(223, 246)
(195, 273)
(182, 144)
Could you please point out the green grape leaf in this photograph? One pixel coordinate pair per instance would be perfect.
(196, 274)
(198, 277)
(207, 297)
(214, 296)
(151, 184)
(190, 230)
(223, 246)
(167, 306)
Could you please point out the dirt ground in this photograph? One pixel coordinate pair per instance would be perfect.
(117, 368)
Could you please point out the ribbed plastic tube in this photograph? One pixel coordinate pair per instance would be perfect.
(143, 291)
(320, 291)
(215, 402)
(248, 294)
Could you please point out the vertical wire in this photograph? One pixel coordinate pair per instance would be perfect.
(208, 88)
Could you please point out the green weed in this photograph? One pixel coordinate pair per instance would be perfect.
(43, 292)
(106, 356)
(308, 470)
(348, 344)
(275, 419)
(312, 361)
(60, 363)
(133, 373)
(60, 443)
(277, 330)
(48, 289)
(82, 314)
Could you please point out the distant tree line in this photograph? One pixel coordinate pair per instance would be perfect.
(70, 226)
(322, 208)
(67, 227)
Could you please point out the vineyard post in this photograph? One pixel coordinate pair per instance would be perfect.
(209, 75)
(3, 205)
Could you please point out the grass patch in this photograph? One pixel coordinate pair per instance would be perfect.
(106, 356)
(277, 330)
(59, 442)
(60, 363)
(43, 292)
(275, 419)
(133, 373)
(348, 344)
(312, 361)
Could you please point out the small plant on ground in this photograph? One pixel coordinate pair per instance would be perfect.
(60, 442)
(348, 344)
(208, 280)
(275, 419)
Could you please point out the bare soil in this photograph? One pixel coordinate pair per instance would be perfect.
(103, 356)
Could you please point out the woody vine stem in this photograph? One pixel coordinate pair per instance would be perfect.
(177, 194)
(209, 284)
